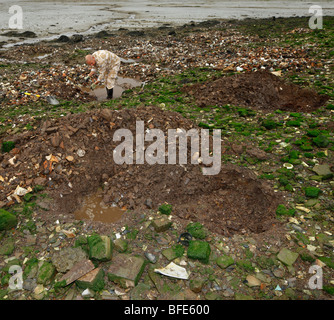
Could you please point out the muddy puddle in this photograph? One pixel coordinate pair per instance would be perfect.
(94, 209)
(122, 84)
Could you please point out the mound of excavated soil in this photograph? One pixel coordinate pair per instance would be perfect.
(73, 156)
(260, 90)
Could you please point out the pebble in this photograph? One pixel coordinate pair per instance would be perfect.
(151, 257)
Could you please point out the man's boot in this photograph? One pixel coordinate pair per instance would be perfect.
(110, 93)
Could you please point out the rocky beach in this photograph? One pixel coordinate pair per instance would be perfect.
(260, 229)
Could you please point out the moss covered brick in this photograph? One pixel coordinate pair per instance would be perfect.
(100, 247)
(312, 192)
(7, 220)
(46, 273)
(199, 250)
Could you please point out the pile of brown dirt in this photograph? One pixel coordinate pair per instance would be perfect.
(73, 156)
(259, 90)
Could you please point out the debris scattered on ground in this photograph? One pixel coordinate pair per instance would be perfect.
(258, 230)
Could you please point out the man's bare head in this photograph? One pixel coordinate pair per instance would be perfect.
(90, 60)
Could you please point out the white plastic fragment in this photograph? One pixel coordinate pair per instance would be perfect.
(288, 166)
(87, 293)
(174, 271)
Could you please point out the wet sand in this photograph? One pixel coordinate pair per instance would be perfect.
(49, 19)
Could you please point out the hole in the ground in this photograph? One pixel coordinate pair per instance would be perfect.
(232, 201)
(93, 208)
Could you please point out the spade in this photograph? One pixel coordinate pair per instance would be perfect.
(50, 99)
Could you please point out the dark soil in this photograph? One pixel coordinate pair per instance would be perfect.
(261, 90)
(233, 201)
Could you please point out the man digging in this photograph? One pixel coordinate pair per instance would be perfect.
(108, 65)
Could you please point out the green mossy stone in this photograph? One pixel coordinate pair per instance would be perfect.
(329, 289)
(7, 146)
(121, 245)
(321, 141)
(212, 296)
(174, 252)
(161, 225)
(240, 296)
(270, 124)
(197, 284)
(287, 256)
(7, 246)
(245, 264)
(31, 269)
(293, 123)
(312, 192)
(328, 261)
(199, 250)
(45, 273)
(100, 247)
(196, 230)
(7, 220)
(165, 209)
(224, 261)
(140, 291)
(283, 211)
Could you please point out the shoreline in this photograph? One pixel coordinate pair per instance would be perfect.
(55, 19)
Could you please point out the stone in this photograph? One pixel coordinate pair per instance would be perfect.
(100, 247)
(170, 254)
(31, 269)
(7, 246)
(151, 257)
(76, 38)
(78, 270)
(253, 281)
(70, 294)
(240, 296)
(55, 140)
(311, 202)
(224, 261)
(65, 259)
(322, 169)
(212, 296)
(140, 292)
(186, 294)
(287, 256)
(199, 250)
(40, 181)
(196, 285)
(63, 38)
(93, 280)
(126, 269)
(161, 225)
(263, 277)
(45, 273)
(29, 284)
(148, 203)
(157, 280)
(39, 292)
(279, 273)
(121, 245)
(312, 192)
(7, 220)
(107, 114)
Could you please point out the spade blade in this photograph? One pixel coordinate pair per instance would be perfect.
(52, 100)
